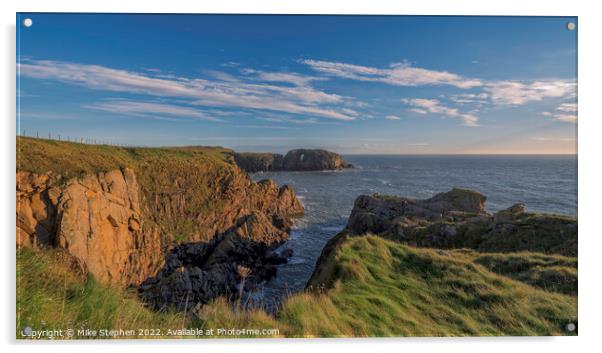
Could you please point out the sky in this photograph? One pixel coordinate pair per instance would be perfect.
(350, 84)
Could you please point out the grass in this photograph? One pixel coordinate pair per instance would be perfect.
(383, 288)
(550, 272)
(51, 295)
(71, 159)
(379, 288)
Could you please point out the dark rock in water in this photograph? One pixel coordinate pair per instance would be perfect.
(294, 160)
(198, 272)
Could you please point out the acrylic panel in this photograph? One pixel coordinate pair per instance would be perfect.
(237, 176)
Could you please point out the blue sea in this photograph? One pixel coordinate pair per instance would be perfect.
(543, 183)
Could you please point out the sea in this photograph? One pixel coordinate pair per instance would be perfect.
(545, 183)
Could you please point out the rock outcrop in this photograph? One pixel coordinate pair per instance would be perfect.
(457, 219)
(294, 160)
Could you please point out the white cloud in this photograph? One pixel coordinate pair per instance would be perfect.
(222, 93)
(565, 112)
(292, 78)
(469, 98)
(433, 106)
(392, 117)
(568, 108)
(518, 93)
(399, 74)
(150, 109)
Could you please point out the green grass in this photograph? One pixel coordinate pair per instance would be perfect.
(52, 295)
(382, 288)
(379, 288)
(550, 272)
(71, 159)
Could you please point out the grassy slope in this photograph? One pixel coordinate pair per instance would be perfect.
(381, 288)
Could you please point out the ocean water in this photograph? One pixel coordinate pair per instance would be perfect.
(543, 183)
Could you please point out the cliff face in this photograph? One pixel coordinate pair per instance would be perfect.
(97, 219)
(294, 160)
(174, 208)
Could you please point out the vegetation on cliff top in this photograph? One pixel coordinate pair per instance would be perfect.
(72, 159)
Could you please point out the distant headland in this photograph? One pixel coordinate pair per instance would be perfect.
(294, 160)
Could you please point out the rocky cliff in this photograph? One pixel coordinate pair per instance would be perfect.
(97, 219)
(132, 216)
(452, 220)
(294, 160)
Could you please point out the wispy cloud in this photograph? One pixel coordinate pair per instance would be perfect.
(469, 98)
(433, 106)
(565, 112)
(392, 117)
(399, 74)
(518, 93)
(204, 92)
(150, 109)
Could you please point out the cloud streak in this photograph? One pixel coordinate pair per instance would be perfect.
(219, 93)
(518, 93)
(565, 112)
(433, 106)
(151, 109)
(399, 74)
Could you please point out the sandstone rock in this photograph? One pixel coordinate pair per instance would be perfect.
(96, 219)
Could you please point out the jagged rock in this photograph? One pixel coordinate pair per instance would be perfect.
(196, 273)
(294, 160)
(376, 213)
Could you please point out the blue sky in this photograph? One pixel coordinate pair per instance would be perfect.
(351, 84)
